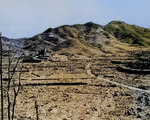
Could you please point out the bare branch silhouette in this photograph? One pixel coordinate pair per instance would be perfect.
(10, 76)
(16, 92)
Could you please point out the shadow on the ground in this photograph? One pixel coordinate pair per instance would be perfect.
(53, 84)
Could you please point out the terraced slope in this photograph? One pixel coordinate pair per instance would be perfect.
(63, 88)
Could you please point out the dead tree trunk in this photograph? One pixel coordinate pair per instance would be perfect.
(1, 78)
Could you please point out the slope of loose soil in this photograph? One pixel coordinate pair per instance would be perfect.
(63, 89)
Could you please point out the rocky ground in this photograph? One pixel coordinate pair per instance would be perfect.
(72, 88)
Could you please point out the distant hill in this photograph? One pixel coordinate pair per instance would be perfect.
(87, 39)
(131, 34)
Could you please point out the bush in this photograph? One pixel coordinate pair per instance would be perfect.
(91, 24)
(97, 45)
(106, 34)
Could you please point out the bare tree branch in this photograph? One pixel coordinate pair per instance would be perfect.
(16, 92)
(10, 76)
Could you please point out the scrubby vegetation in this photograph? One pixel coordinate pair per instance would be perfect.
(106, 34)
(131, 34)
(97, 45)
(91, 25)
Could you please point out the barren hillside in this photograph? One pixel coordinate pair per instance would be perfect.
(87, 73)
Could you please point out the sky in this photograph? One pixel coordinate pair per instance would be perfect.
(26, 18)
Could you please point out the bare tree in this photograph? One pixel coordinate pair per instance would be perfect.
(11, 104)
(2, 117)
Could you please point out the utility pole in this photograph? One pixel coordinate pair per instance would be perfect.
(2, 117)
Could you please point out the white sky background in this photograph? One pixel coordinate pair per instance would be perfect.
(26, 18)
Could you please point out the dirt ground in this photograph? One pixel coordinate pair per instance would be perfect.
(60, 88)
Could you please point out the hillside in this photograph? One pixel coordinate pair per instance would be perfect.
(131, 34)
(87, 73)
(114, 37)
(88, 38)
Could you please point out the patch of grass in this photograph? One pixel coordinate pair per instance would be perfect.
(97, 45)
(106, 34)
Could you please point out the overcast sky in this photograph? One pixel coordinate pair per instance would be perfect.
(26, 18)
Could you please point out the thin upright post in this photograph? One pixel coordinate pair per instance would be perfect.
(36, 107)
(1, 78)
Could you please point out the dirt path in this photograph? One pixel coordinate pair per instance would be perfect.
(122, 85)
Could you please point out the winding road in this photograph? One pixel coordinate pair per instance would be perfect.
(122, 85)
